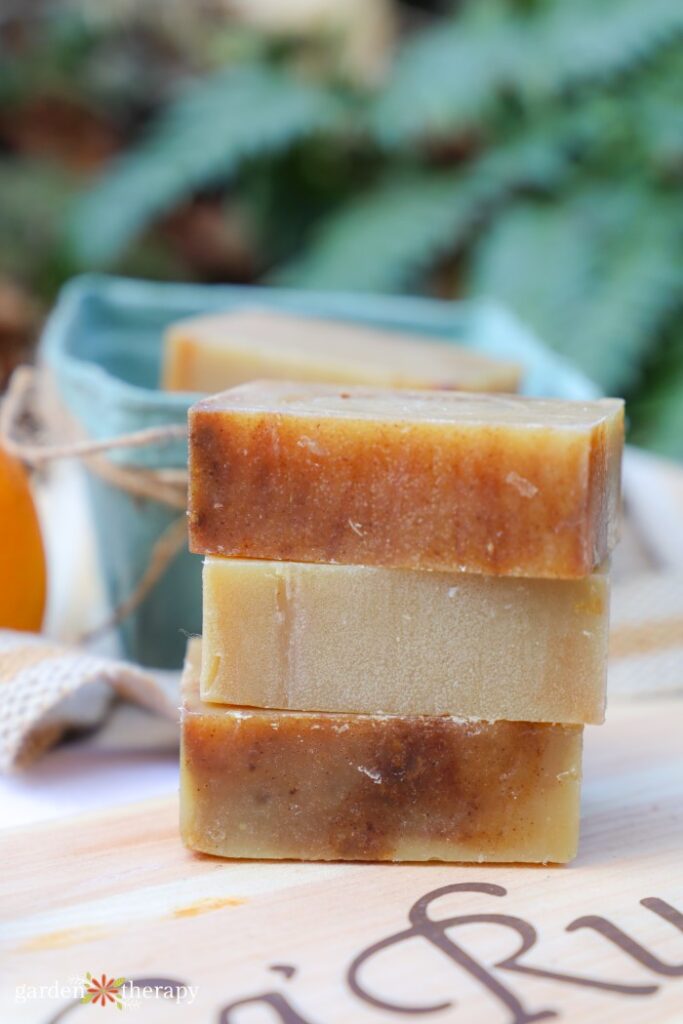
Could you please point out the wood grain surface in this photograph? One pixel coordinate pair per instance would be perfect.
(598, 941)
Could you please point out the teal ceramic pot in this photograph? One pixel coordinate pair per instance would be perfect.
(103, 343)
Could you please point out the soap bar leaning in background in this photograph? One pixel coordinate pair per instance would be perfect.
(359, 639)
(211, 353)
(494, 484)
(311, 786)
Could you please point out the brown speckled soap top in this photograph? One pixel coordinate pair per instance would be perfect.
(493, 484)
(334, 786)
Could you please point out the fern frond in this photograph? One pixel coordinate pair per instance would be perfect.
(202, 137)
(445, 78)
(656, 414)
(639, 288)
(34, 195)
(587, 42)
(451, 77)
(539, 260)
(596, 277)
(392, 234)
(383, 238)
(656, 102)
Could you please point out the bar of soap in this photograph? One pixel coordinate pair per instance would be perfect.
(361, 639)
(492, 484)
(315, 786)
(211, 353)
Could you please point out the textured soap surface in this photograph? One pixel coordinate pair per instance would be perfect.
(494, 484)
(362, 639)
(210, 353)
(313, 786)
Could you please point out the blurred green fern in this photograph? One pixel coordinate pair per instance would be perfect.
(384, 239)
(200, 139)
(451, 76)
(598, 288)
(527, 149)
(34, 195)
(656, 411)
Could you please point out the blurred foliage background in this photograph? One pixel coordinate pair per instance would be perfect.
(530, 150)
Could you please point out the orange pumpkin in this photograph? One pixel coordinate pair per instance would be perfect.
(22, 557)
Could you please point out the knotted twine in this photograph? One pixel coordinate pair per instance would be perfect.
(166, 486)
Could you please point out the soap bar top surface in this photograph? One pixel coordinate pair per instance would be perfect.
(496, 484)
(355, 638)
(286, 784)
(213, 352)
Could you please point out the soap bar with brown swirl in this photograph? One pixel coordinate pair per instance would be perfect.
(494, 484)
(315, 786)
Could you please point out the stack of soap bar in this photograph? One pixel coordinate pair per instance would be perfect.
(413, 588)
(209, 353)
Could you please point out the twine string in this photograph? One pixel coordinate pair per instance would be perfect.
(22, 382)
(166, 486)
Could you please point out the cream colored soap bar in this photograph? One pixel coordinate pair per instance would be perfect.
(211, 353)
(358, 639)
(314, 786)
(492, 484)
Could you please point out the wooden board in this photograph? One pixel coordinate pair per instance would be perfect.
(601, 940)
